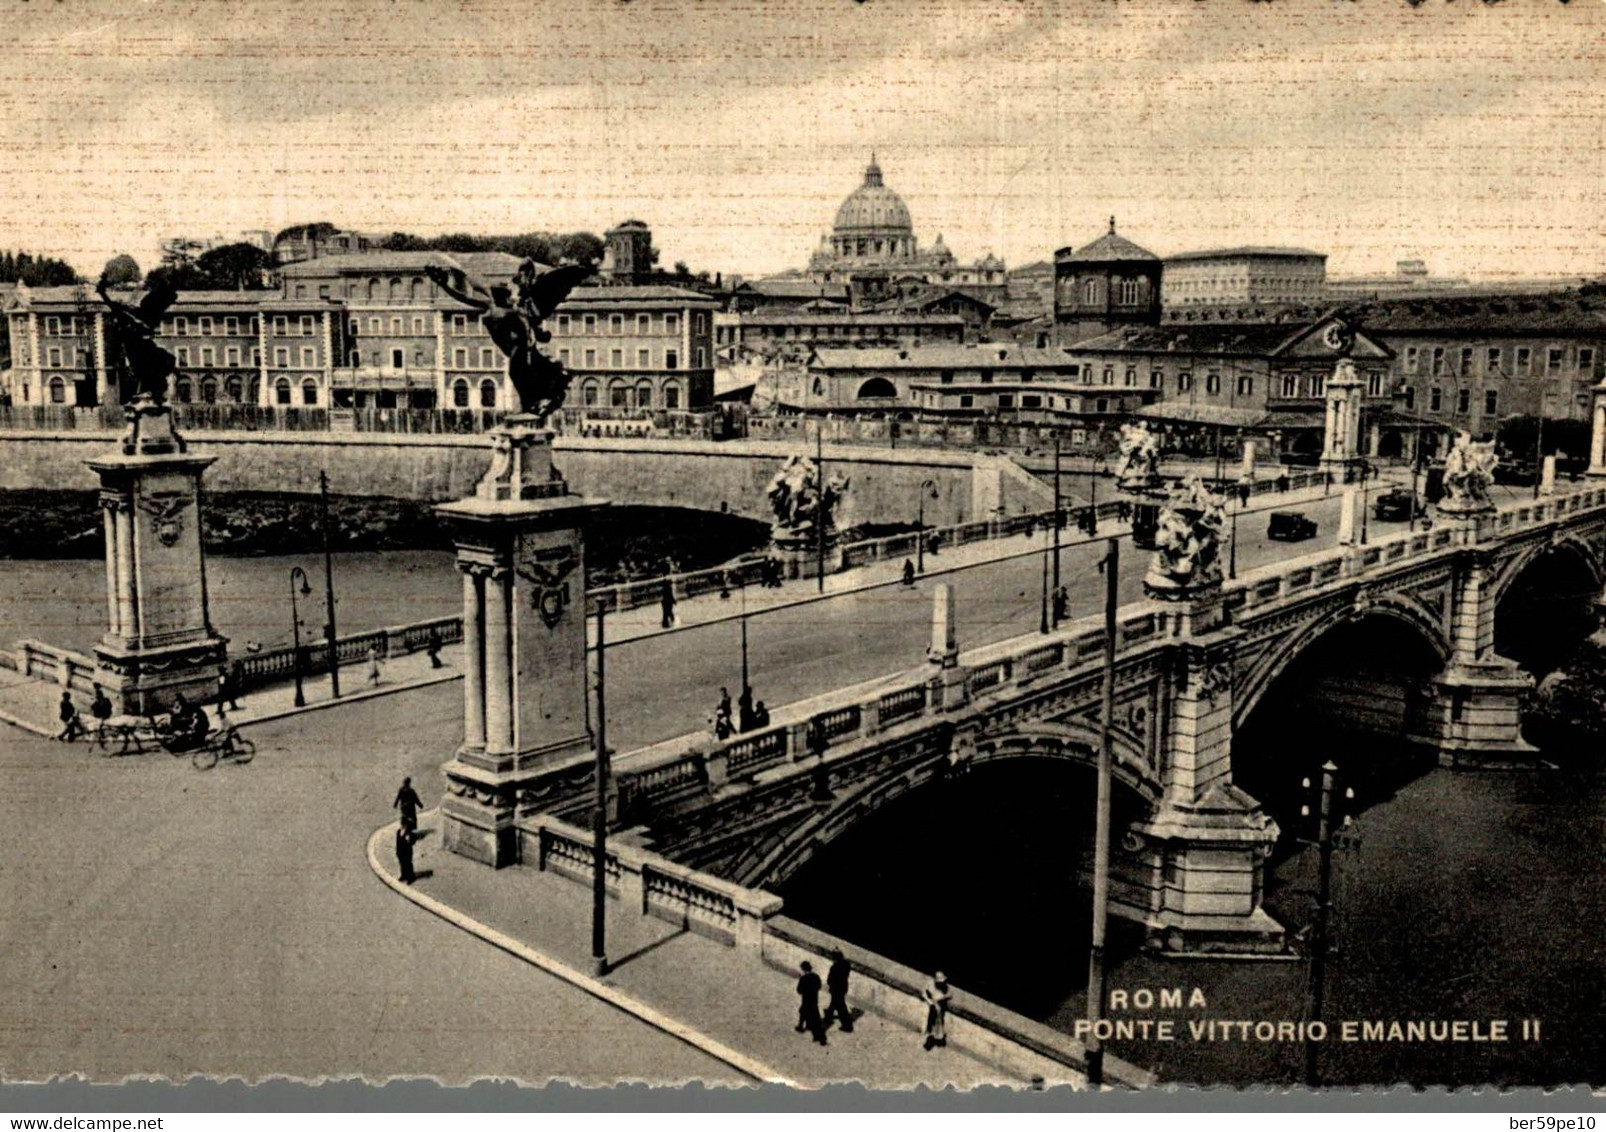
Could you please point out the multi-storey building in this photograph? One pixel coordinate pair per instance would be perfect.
(884, 381)
(634, 348)
(1243, 275)
(370, 330)
(769, 333)
(1470, 362)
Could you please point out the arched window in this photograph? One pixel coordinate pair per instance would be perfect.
(588, 394)
(58, 391)
(672, 395)
(309, 392)
(417, 289)
(644, 395)
(281, 391)
(1129, 292)
(618, 395)
(182, 391)
(209, 391)
(459, 394)
(234, 389)
(1090, 291)
(487, 394)
(395, 289)
(373, 288)
(877, 387)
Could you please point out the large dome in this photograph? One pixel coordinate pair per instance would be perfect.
(873, 208)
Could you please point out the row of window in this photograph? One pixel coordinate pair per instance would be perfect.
(616, 358)
(1494, 359)
(617, 324)
(1128, 292)
(621, 395)
(1463, 400)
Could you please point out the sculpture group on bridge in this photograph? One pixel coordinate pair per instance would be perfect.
(800, 504)
(1187, 543)
(1140, 458)
(141, 366)
(1468, 472)
(516, 326)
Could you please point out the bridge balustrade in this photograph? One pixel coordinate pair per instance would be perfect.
(901, 704)
(72, 670)
(753, 752)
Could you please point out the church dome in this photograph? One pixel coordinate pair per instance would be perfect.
(873, 208)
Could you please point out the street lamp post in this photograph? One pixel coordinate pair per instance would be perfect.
(1539, 449)
(1056, 512)
(599, 817)
(1327, 837)
(330, 636)
(1096, 989)
(1365, 491)
(295, 630)
(1232, 543)
(920, 525)
(1042, 622)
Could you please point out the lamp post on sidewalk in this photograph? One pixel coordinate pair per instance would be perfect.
(295, 630)
(1057, 518)
(330, 634)
(1096, 988)
(920, 525)
(599, 818)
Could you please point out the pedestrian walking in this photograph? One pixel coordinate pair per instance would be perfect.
(761, 715)
(373, 665)
(100, 708)
(1244, 491)
(666, 602)
(228, 685)
(404, 854)
(936, 996)
(1282, 481)
(1062, 604)
(723, 711)
(744, 709)
(71, 725)
(432, 647)
(908, 572)
(836, 982)
(408, 803)
(808, 1004)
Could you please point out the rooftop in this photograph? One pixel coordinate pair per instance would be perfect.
(1553, 312)
(1249, 252)
(1108, 248)
(850, 318)
(989, 355)
(604, 295)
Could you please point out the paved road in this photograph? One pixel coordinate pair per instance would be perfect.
(161, 920)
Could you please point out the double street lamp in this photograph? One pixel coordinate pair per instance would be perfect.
(295, 629)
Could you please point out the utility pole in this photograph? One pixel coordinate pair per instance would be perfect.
(819, 503)
(599, 818)
(330, 634)
(1317, 971)
(1096, 990)
(1056, 512)
(1042, 618)
(1539, 448)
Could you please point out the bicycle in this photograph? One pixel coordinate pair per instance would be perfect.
(224, 744)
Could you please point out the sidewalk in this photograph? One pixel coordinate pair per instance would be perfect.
(31, 703)
(724, 1001)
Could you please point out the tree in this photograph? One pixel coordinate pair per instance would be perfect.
(235, 267)
(404, 242)
(1520, 437)
(121, 271)
(320, 230)
(36, 271)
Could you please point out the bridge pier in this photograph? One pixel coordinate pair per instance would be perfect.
(527, 729)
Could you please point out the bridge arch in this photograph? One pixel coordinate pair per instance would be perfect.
(1266, 672)
(1060, 742)
(1543, 601)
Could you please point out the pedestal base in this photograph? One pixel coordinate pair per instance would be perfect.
(480, 806)
(800, 555)
(1211, 855)
(146, 681)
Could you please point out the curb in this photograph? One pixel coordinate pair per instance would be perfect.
(748, 1066)
(352, 698)
(7, 717)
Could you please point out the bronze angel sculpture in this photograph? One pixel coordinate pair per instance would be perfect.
(142, 367)
(515, 325)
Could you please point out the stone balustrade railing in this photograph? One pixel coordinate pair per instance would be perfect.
(651, 885)
(72, 670)
(693, 764)
(279, 664)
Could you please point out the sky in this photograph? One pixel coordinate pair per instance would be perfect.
(1469, 134)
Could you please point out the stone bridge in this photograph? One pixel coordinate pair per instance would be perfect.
(1398, 637)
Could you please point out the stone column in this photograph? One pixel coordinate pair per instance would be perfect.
(1347, 527)
(948, 679)
(1547, 475)
(1341, 437)
(160, 641)
(498, 663)
(473, 659)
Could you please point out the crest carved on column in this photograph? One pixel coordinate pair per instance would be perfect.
(166, 512)
(548, 572)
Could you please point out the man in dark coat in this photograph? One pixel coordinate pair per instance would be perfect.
(808, 1004)
(836, 981)
(666, 602)
(72, 726)
(404, 854)
(408, 802)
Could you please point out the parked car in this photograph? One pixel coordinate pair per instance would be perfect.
(1291, 526)
(1394, 505)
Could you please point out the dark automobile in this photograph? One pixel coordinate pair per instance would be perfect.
(1394, 505)
(1290, 526)
(1516, 473)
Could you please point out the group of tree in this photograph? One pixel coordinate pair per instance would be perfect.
(232, 267)
(543, 247)
(36, 271)
(1521, 439)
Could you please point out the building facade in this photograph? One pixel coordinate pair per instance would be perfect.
(636, 348)
(884, 381)
(1472, 362)
(1243, 275)
(1107, 284)
(772, 333)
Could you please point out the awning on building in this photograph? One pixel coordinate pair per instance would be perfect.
(1224, 416)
